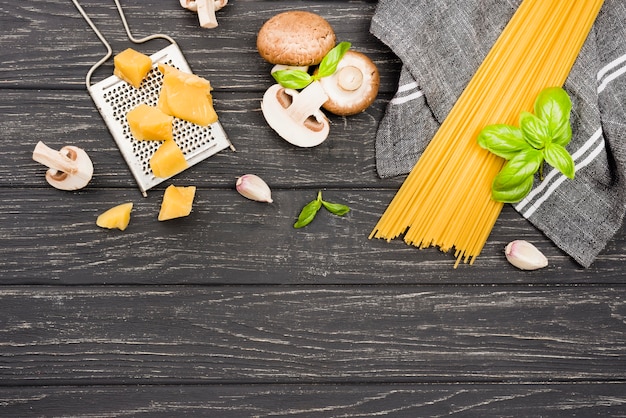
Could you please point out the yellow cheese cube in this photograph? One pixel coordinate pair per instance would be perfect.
(132, 66)
(116, 217)
(177, 202)
(149, 123)
(168, 160)
(186, 96)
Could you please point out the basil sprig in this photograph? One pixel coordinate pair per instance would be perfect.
(309, 211)
(298, 79)
(541, 136)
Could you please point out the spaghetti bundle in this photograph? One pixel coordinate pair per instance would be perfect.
(445, 200)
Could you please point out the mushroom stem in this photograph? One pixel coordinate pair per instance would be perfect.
(206, 13)
(353, 86)
(296, 116)
(206, 10)
(193, 5)
(350, 78)
(307, 102)
(54, 159)
(70, 168)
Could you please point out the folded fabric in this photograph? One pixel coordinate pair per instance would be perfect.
(443, 42)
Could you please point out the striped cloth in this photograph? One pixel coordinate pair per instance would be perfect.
(443, 42)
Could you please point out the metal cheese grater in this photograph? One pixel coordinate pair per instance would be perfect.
(114, 98)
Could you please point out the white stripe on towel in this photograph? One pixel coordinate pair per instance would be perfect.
(400, 99)
(408, 98)
(553, 173)
(407, 87)
(604, 77)
(561, 179)
(616, 62)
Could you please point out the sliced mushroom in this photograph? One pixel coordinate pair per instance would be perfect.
(281, 67)
(70, 168)
(296, 116)
(206, 10)
(354, 85)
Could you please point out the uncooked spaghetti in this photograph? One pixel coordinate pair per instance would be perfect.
(445, 200)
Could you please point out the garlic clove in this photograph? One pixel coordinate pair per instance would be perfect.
(254, 188)
(524, 255)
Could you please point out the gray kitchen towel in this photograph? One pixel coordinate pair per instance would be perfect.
(441, 44)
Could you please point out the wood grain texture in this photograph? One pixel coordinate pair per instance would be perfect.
(58, 118)
(50, 45)
(231, 312)
(114, 335)
(52, 238)
(368, 400)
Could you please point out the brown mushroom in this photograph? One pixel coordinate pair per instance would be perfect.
(296, 116)
(70, 168)
(354, 85)
(296, 38)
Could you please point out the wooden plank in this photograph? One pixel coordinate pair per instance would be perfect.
(49, 45)
(232, 312)
(50, 237)
(502, 400)
(344, 162)
(61, 118)
(352, 334)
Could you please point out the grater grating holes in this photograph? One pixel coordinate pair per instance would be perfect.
(123, 97)
(114, 99)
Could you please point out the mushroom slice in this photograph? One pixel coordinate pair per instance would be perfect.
(281, 67)
(70, 168)
(206, 10)
(296, 116)
(354, 85)
(189, 5)
(193, 4)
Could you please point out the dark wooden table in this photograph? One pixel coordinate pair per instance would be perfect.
(231, 311)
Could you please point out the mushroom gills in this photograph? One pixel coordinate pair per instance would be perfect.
(354, 85)
(349, 78)
(70, 168)
(296, 116)
(285, 98)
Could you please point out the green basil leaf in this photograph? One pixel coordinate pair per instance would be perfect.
(545, 133)
(503, 140)
(329, 63)
(293, 79)
(534, 129)
(307, 214)
(558, 157)
(515, 193)
(553, 105)
(336, 208)
(518, 169)
(563, 136)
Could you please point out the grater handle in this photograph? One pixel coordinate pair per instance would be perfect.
(102, 39)
(106, 43)
(130, 35)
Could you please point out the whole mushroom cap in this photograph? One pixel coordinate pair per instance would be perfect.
(296, 37)
(354, 85)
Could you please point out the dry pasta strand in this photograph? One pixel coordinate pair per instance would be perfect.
(445, 200)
